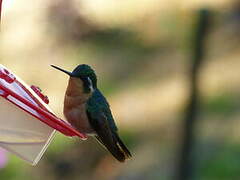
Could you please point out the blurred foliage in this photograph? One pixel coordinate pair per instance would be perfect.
(14, 170)
(222, 163)
(121, 42)
(222, 104)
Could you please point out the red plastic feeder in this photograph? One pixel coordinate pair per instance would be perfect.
(27, 123)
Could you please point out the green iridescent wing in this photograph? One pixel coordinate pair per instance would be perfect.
(101, 120)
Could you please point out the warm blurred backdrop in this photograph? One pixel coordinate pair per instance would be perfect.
(142, 53)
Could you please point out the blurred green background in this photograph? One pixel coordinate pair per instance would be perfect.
(141, 51)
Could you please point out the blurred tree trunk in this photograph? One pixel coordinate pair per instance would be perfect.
(186, 161)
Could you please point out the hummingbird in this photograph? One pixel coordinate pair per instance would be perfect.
(86, 109)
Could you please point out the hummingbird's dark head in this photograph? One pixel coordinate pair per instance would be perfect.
(85, 73)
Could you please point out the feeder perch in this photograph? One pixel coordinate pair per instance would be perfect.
(27, 123)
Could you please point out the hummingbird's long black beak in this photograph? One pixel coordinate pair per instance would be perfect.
(58, 68)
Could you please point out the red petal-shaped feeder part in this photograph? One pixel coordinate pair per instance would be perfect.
(33, 102)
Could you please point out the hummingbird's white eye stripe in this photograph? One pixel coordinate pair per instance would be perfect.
(90, 84)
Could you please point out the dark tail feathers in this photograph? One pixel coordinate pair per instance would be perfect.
(123, 148)
(117, 148)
